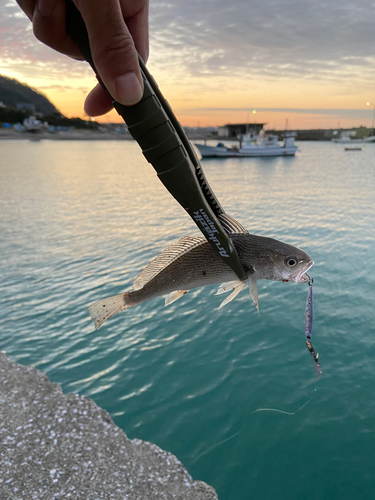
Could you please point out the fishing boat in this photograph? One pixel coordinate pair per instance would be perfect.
(32, 125)
(265, 145)
(347, 138)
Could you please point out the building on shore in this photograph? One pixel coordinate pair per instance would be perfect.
(232, 130)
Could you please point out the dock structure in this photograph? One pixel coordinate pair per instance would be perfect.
(63, 446)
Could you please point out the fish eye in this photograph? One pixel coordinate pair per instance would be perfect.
(291, 261)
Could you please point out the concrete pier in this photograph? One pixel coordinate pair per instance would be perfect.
(55, 445)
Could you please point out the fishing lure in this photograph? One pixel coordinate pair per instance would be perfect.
(309, 323)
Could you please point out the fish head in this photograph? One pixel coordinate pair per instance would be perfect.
(291, 265)
(278, 261)
(296, 268)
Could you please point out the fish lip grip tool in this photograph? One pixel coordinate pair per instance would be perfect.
(152, 123)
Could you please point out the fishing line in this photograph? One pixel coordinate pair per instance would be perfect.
(276, 410)
(215, 446)
(282, 411)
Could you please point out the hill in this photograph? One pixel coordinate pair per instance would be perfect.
(13, 94)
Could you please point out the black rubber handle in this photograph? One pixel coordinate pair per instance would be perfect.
(154, 126)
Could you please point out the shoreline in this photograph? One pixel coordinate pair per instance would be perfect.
(82, 135)
(71, 135)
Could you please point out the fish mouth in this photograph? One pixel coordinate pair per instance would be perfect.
(300, 275)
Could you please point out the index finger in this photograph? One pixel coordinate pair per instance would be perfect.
(113, 49)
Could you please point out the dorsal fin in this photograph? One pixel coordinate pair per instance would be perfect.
(230, 225)
(169, 255)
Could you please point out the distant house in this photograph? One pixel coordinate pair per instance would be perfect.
(26, 105)
(235, 129)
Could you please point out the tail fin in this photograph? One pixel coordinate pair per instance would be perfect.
(103, 309)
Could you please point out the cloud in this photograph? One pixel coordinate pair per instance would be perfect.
(274, 38)
(208, 43)
(23, 53)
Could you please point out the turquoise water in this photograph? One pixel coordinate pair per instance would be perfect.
(79, 220)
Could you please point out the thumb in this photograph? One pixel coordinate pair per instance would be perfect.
(112, 49)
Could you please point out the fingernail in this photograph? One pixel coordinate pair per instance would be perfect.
(128, 89)
(46, 7)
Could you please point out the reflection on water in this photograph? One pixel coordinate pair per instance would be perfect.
(79, 220)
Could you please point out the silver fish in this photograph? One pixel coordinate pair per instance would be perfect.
(191, 262)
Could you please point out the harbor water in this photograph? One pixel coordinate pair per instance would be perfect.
(233, 394)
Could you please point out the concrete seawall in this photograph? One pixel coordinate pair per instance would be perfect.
(55, 445)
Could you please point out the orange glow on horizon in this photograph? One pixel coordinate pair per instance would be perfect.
(211, 80)
(212, 102)
(71, 102)
(272, 120)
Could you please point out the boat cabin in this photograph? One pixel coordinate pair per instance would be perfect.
(233, 130)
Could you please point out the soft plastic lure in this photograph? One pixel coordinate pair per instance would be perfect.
(309, 323)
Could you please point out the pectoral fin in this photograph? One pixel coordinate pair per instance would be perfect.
(253, 287)
(173, 296)
(229, 285)
(234, 294)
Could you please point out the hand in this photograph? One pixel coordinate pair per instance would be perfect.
(116, 29)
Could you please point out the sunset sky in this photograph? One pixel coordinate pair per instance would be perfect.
(310, 62)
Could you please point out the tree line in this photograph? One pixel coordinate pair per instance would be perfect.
(13, 116)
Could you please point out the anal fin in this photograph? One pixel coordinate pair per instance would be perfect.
(229, 285)
(173, 296)
(236, 291)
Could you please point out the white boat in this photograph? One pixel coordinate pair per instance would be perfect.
(347, 138)
(31, 124)
(265, 145)
(248, 137)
